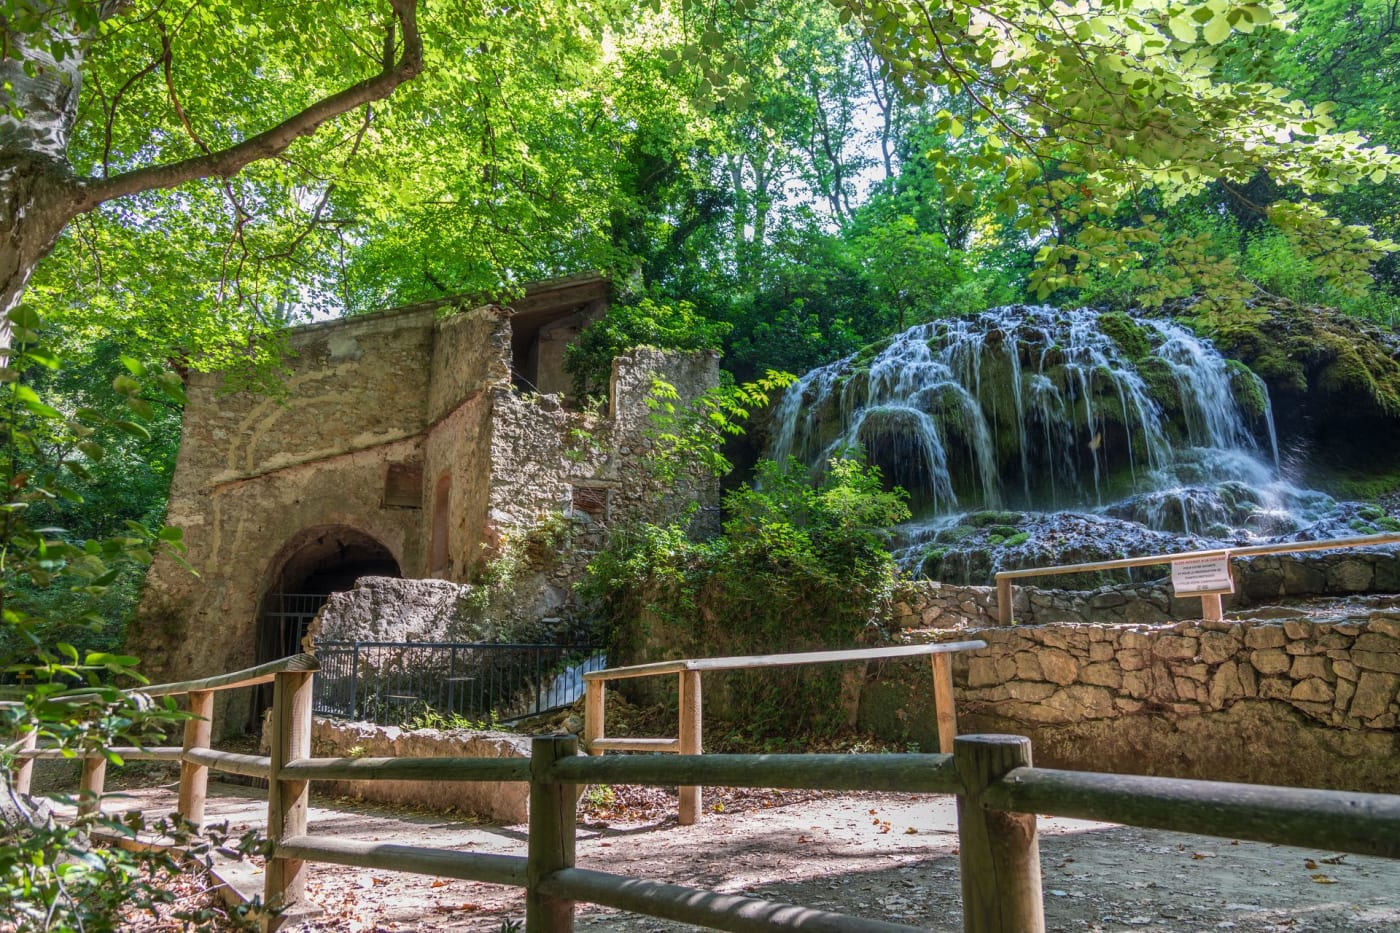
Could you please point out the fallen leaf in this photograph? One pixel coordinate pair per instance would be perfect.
(1320, 878)
(439, 883)
(911, 831)
(1334, 860)
(1309, 864)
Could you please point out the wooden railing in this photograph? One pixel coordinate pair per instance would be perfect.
(1210, 602)
(691, 716)
(999, 794)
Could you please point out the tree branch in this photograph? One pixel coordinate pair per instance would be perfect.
(271, 142)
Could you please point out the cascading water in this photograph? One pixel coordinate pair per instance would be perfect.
(1037, 408)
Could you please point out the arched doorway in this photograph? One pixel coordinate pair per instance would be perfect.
(314, 564)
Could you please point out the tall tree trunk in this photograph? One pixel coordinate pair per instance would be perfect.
(38, 194)
(38, 198)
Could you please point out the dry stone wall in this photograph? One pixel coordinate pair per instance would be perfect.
(498, 801)
(1291, 702)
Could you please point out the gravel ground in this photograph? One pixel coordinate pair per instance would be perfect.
(874, 855)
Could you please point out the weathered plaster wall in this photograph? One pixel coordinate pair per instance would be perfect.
(256, 475)
(237, 536)
(469, 353)
(353, 385)
(404, 392)
(554, 339)
(458, 448)
(1295, 702)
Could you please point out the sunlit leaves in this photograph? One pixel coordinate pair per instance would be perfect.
(1106, 102)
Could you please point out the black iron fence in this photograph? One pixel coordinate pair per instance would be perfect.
(448, 683)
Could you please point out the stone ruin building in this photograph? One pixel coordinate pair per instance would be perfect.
(410, 443)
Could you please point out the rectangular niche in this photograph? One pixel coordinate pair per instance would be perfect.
(592, 501)
(403, 486)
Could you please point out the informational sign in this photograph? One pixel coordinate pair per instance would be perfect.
(1197, 575)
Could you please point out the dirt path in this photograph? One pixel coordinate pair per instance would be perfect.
(875, 855)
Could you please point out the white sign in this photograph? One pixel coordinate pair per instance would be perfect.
(1197, 575)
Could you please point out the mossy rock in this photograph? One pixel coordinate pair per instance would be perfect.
(866, 354)
(954, 535)
(987, 519)
(1249, 392)
(1161, 384)
(1317, 351)
(1131, 337)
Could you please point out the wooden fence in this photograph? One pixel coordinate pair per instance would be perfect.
(999, 792)
(690, 716)
(1210, 602)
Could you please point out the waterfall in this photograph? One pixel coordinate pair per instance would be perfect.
(1041, 408)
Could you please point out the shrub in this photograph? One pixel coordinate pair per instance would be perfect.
(625, 327)
(799, 566)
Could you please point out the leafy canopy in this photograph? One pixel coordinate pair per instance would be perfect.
(1101, 108)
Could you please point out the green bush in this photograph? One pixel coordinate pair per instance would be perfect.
(647, 323)
(799, 566)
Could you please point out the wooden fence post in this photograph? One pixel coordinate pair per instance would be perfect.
(594, 706)
(999, 850)
(691, 727)
(194, 779)
(1004, 612)
(943, 703)
(90, 791)
(551, 843)
(1212, 610)
(284, 885)
(24, 771)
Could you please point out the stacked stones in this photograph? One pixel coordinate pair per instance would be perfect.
(1342, 674)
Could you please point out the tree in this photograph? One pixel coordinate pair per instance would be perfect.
(1091, 109)
(124, 49)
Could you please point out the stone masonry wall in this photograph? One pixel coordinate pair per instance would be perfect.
(271, 490)
(1296, 702)
(499, 801)
(542, 453)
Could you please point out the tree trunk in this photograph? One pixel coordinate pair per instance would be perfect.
(37, 200)
(38, 194)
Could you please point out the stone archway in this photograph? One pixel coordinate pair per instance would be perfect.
(313, 564)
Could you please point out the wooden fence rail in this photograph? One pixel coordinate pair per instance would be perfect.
(690, 725)
(1210, 602)
(999, 793)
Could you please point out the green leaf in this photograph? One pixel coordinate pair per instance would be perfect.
(24, 316)
(1217, 30)
(132, 428)
(1182, 28)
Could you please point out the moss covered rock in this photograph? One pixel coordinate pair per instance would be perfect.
(1334, 383)
(1130, 336)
